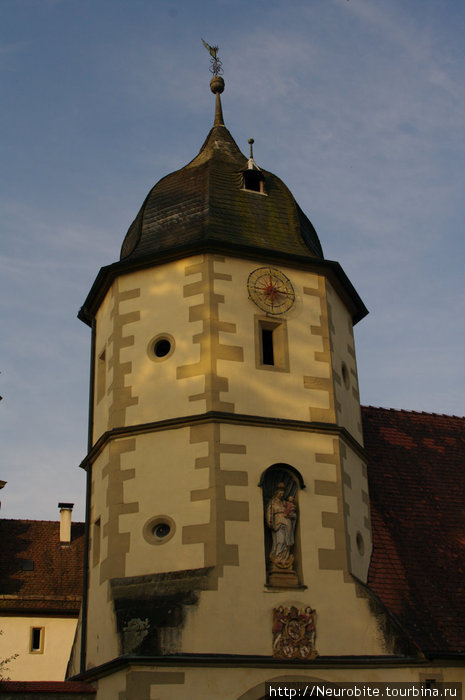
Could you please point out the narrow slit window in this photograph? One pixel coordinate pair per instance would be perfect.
(96, 537)
(101, 375)
(267, 346)
(37, 640)
(271, 345)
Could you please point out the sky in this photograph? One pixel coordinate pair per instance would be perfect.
(358, 105)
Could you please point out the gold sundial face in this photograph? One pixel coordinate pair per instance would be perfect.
(270, 290)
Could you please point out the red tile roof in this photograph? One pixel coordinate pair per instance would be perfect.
(55, 583)
(417, 493)
(69, 687)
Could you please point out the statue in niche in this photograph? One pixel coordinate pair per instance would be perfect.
(281, 517)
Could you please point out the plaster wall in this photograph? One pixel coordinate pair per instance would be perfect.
(134, 481)
(103, 372)
(345, 624)
(202, 305)
(344, 365)
(203, 478)
(102, 640)
(205, 481)
(137, 309)
(242, 683)
(357, 513)
(267, 391)
(48, 664)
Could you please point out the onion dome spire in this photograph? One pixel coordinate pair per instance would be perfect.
(220, 202)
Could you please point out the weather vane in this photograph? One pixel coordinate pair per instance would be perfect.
(215, 63)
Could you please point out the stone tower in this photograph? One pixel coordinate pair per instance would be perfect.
(228, 509)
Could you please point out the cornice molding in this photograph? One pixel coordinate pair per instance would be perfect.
(222, 417)
(255, 661)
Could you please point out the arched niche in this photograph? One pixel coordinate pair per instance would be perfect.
(261, 690)
(280, 485)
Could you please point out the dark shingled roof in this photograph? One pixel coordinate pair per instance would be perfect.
(55, 583)
(417, 492)
(205, 202)
(204, 208)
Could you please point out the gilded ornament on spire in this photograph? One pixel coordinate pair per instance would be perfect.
(217, 82)
(215, 63)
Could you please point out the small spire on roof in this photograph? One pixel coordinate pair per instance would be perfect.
(251, 164)
(251, 142)
(217, 82)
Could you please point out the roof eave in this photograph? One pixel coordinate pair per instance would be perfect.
(330, 268)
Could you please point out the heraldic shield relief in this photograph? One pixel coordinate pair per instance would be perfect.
(294, 633)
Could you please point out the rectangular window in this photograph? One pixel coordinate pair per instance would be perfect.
(96, 543)
(267, 346)
(101, 375)
(36, 645)
(253, 181)
(430, 682)
(271, 345)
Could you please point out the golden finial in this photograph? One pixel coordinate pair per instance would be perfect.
(215, 67)
(251, 143)
(217, 82)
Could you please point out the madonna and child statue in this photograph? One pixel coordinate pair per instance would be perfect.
(281, 519)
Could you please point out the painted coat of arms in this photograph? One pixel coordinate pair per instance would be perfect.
(294, 633)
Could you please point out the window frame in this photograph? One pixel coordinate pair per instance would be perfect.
(40, 648)
(280, 343)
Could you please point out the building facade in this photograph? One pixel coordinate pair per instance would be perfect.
(41, 571)
(229, 530)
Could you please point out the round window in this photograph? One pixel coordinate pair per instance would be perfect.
(161, 347)
(159, 529)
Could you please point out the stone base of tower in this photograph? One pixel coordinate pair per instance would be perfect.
(257, 678)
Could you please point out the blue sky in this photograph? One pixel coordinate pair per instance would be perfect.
(358, 105)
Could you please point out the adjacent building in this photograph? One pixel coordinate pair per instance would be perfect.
(41, 572)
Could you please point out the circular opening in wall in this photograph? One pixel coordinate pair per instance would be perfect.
(161, 347)
(159, 529)
(360, 544)
(345, 375)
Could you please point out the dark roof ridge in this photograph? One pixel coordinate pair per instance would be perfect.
(32, 520)
(70, 597)
(418, 413)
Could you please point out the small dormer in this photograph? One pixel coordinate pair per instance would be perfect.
(252, 177)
